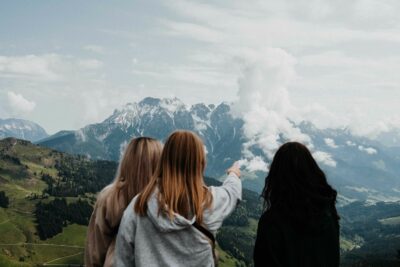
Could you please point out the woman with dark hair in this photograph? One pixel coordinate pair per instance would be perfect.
(300, 224)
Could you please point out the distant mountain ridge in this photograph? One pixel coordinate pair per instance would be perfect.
(360, 168)
(22, 129)
(157, 118)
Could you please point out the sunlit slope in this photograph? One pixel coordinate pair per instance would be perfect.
(22, 168)
(22, 165)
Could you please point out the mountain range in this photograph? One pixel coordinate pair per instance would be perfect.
(360, 168)
(22, 129)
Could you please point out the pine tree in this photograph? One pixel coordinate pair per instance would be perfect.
(3, 200)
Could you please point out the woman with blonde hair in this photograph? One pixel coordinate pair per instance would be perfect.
(134, 172)
(174, 221)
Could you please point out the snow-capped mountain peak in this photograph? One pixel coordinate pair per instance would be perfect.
(172, 105)
(22, 129)
(130, 114)
(348, 160)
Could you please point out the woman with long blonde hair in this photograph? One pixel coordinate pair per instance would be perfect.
(137, 166)
(173, 222)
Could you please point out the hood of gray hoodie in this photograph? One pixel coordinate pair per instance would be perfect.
(162, 221)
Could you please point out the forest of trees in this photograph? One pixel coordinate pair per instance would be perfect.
(78, 176)
(228, 238)
(53, 216)
(380, 242)
(11, 159)
(4, 201)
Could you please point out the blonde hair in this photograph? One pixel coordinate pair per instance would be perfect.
(135, 170)
(179, 178)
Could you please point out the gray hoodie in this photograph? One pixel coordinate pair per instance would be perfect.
(155, 240)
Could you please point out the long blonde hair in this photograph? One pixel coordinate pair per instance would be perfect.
(135, 170)
(179, 178)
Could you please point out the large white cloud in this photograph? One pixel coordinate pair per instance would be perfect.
(330, 142)
(29, 66)
(19, 104)
(47, 67)
(254, 164)
(368, 150)
(324, 158)
(332, 70)
(187, 49)
(263, 101)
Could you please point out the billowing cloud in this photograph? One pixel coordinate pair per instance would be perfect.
(330, 142)
(324, 158)
(263, 99)
(47, 67)
(360, 189)
(30, 66)
(19, 104)
(326, 49)
(320, 116)
(350, 143)
(254, 164)
(368, 150)
(203, 37)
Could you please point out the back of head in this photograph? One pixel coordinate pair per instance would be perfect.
(179, 178)
(296, 187)
(137, 166)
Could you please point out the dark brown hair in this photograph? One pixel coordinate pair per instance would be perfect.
(297, 188)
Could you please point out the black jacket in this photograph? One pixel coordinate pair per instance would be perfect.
(281, 243)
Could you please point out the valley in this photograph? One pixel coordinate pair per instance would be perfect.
(31, 174)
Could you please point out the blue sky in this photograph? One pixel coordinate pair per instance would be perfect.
(65, 64)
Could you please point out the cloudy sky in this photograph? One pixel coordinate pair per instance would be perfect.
(64, 64)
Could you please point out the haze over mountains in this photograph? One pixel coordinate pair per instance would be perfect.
(359, 167)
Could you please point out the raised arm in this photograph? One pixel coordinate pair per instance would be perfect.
(225, 199)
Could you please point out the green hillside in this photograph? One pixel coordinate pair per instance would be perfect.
(22, 166)
(29, 175)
